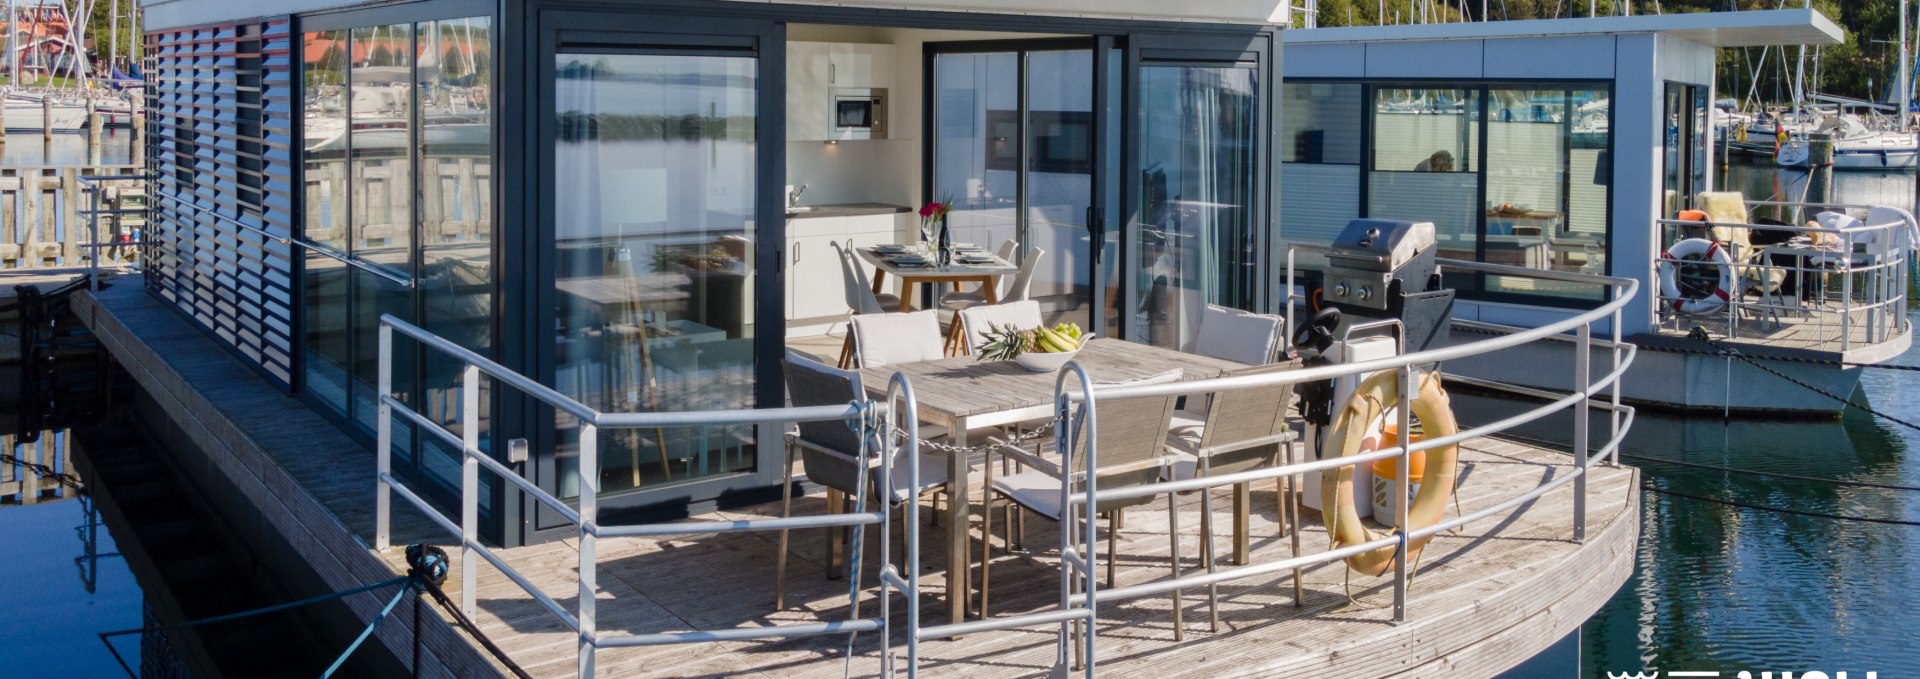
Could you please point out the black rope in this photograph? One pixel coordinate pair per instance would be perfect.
(1796, 477)
(461, 619)
(1781, 510)
(1700, 334)
(44, 471)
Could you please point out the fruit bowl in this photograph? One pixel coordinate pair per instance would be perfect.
(1041, 362)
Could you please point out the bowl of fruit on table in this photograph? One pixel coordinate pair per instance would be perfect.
(1041, 349)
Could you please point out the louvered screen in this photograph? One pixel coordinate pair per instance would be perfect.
(219, 145)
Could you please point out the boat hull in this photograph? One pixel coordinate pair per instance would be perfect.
(1674, 379)
(66, 118)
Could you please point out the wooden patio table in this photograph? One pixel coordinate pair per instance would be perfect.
(963, 393)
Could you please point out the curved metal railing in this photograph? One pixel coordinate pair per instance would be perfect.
(1076, 400)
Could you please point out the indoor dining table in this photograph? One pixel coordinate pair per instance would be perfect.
(984, 273)
(963, 393)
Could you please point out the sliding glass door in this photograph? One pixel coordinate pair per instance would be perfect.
(1014, 146)
(1197, 203)
(655, 183)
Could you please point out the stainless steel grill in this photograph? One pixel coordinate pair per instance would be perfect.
(1371, 255)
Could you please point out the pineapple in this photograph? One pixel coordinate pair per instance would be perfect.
(1003, 343)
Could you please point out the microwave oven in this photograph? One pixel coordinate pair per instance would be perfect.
(858, 113)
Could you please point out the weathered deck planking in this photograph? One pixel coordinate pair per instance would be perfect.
(1483, 600)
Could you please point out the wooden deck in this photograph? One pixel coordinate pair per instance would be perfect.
(1817, 327)
(1483, 600)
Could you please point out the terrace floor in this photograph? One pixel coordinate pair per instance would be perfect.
(1483, 600)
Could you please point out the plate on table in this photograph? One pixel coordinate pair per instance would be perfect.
(908, 260)
(892, 249)
(977, 259)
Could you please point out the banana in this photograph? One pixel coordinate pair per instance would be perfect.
(1053, 342)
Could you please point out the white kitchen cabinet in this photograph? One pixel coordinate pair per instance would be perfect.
(809, 86)
(814, 69)
(814, 285)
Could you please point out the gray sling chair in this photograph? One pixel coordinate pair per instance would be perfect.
(1244, 430)
(1132, 445)
(829, 452)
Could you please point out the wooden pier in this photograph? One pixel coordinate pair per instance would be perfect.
(1483, 600)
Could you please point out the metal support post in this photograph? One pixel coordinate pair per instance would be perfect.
(1583, 381)
(1401, 484)
(469, 487)
(589, 475)
(383, 497)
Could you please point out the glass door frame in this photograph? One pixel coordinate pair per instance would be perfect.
(575, 31)
(1105, 124)
(1259, 51)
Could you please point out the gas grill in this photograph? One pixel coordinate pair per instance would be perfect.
(1384, 268)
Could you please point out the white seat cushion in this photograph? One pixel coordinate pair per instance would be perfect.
(1234, 335)
(1037, 491)
(893, 339)
(933, 474)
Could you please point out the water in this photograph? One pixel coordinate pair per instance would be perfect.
(1731, 589)
(29, 149)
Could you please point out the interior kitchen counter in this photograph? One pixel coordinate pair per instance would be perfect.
(847, 210)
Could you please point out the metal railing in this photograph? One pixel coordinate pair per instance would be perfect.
(873, 418)
(1835, 289)
(93, 186)
(1076, 413)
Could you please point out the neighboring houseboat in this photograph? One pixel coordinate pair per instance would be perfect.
(1533, 180)
(602, 202)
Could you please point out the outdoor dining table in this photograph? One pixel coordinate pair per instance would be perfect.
(963, 393)
(911, 275)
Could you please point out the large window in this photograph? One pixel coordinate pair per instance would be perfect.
(397, 171)
(654, 169)
(1199, 243)
(1508, 174)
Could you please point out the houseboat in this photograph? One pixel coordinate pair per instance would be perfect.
(520, 280)
(1798, 305)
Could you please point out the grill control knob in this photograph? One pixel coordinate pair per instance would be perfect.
(1340, 289)
(1366, 293)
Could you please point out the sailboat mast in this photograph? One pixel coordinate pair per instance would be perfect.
(13, 47)
(1900, 99)
(113, 29)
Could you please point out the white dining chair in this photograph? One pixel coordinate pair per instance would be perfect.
(861, 299)
(1014, 290)
(1240, 336)
(892, 339)
(976, 321)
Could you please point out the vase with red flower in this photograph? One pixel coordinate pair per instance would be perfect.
(933, 229)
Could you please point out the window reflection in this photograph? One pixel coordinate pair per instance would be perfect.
(1425, 163)
(1198, 244)
(1320, 160)
(456, 230)
(324, 289)
(655, 177)
(380, 95)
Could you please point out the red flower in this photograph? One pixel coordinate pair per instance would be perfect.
(934, 209)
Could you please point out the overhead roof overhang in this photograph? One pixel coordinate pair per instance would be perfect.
(1715, 29)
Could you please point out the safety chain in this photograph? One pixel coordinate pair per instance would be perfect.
(952, 449)
(1700, 334)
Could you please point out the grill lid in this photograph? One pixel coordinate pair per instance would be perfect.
(1381, 244)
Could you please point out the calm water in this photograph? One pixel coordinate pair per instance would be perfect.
(1730, 589)
(27, 149)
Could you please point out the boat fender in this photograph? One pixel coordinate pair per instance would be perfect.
(1352, 428)
(1696, 249)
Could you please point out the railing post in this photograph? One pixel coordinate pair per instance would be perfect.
(1583, 383)
(93, 227)
(1613, 394)
(589, 473)
(1846, 295)
(469, 485)
(1402, 483)
(383, 495)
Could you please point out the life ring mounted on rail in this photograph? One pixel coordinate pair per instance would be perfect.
(1696, 299)
(1350, 433)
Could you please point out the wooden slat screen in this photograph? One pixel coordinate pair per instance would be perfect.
(220, 109)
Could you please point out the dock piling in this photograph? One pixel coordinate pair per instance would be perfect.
(1819, 168)
(46, 119)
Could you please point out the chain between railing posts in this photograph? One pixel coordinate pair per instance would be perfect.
(469, 486)
(589, 482)
(1402, 483)
(1583, 383)
(383, 498)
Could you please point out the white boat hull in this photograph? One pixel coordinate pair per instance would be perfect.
(1690, 381)
(29, 118)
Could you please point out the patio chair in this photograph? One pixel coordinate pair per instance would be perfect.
(891, 339)
(861, 299)
(829, 454)
(1230, 334)
(1014, 290)
(974, 322)
(1132, 446)
(1243, 430)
